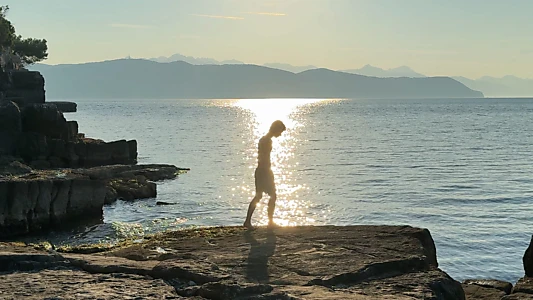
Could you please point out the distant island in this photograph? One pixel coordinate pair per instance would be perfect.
(139, 78)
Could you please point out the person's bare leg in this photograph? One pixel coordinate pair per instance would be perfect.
(251, 208)
(271, 208)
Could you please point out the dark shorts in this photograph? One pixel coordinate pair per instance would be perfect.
(264, 181)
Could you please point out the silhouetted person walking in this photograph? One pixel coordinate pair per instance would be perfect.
(264, 178)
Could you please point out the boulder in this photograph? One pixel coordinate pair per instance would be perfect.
(131, 188)
(10, 118)
(528, 259)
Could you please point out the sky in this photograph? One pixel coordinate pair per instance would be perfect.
(470, 38)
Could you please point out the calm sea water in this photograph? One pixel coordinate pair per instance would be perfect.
(460, 167)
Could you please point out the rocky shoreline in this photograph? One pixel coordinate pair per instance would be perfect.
(308, 262)
(51, 175)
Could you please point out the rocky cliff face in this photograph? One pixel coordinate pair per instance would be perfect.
(43, 159)
(23, 87)
(36, 202)
(40, 134)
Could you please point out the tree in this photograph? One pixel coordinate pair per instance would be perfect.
(30, 50)
(7, 31)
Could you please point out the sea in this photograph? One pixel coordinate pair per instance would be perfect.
(462, 168)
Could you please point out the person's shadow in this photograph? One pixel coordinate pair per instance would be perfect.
(257, 266)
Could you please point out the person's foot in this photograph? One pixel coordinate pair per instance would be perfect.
(272, 224)
(248, 225)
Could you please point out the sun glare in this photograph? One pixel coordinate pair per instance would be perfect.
(290, 210)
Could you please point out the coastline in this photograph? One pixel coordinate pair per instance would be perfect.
(304, 262)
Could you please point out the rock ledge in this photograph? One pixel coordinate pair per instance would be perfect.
(325, 262)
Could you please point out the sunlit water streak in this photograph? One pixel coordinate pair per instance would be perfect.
(291, 209)
(459, 167)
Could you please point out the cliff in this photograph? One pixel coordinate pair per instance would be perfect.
(132, 78)
(51, 174)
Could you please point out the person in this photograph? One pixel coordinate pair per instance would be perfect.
(264, 178)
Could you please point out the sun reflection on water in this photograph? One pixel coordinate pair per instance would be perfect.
(291, 209)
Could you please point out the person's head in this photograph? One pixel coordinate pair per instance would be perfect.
(277, 128)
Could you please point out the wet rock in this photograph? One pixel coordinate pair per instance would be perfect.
(163, 203)
(503, 286)
(131, 188)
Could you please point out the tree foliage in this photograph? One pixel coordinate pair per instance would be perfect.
(7, 31)
(30, 50)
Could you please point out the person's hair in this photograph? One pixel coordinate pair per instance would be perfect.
(277, 126)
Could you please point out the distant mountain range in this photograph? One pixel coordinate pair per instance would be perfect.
(139, 78)
(195, 60)
(508, 86)
(369, 70)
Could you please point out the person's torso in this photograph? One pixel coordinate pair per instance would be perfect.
(263, 153)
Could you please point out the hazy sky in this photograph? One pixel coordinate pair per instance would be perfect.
(436, 37)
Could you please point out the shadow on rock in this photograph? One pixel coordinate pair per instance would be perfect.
(260, 252)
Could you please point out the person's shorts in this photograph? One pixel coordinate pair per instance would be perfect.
(264, 181)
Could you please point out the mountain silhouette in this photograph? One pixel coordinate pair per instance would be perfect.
(289, 67)
(507, 86)
(138, 78)
(369, 70)
(194, 60)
